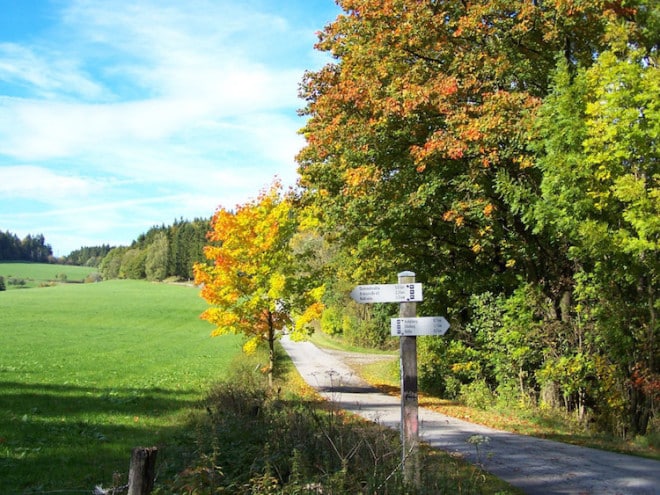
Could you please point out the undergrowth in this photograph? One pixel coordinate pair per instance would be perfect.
(251, 440)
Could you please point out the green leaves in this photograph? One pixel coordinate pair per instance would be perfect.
(505, 148)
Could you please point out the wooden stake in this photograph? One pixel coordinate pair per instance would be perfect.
(142, 473)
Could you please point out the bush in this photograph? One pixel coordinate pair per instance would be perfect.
(17, 282)
(252, 440)
(93, 277)
(477, 394)
(331, 321)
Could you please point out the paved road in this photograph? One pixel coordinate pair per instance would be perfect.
(535, 465)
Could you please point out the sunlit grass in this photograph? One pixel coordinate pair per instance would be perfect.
(28, 275)
(89, 371)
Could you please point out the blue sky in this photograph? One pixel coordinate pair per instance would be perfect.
(119, 115)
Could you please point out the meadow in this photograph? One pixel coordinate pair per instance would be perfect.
(89, 371)
(28, 275)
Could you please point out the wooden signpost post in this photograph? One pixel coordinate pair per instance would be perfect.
(409, 399)
(408, 326)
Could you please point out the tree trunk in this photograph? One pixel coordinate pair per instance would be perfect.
(271, 349)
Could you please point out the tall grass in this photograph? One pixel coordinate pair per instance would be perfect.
(252, 440)
(89, 371)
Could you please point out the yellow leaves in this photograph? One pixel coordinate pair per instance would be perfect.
(251, 345)
(488, 210)
(243, 281)
(313, 312)
(308, 218)
(277, 283)
(524, 162)
(224, 321)
(464, 367)
(317, 293)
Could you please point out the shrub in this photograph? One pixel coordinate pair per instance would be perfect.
(477, 394)
(93, 277)
(17, 281)
(252, 440)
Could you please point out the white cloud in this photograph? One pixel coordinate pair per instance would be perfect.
(40, 184)
(47, 74)
(148, 111)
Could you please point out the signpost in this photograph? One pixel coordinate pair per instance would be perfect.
(387, 293)
(408, 326)
(409, 395)
(426, 325)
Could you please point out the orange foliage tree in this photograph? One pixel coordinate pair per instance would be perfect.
(423, 153)
(245, 281)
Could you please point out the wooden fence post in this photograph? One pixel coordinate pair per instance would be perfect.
(142, 473)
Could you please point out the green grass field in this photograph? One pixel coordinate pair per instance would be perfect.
(37, 274)
(89, 371)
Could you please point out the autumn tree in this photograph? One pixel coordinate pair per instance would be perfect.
(410, 130)
(245, 281)
(412, 127)
(418, 157)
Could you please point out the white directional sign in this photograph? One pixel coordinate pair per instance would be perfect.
(425, 325)
(384, 293)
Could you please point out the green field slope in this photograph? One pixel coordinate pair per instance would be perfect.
(28, 275)
(88, 371)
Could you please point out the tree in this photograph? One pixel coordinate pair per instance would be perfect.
(87, 255)
(245, 282)
(155, 266)
(31, 248)
(412, 127)
(111, 264)
(418, 157)
(132, 264)
(600, 200)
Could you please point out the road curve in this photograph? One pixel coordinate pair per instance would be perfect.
(537, 466)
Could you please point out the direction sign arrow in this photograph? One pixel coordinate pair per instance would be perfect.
(425, 325)
(384, 293)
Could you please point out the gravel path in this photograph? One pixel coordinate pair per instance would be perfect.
(535, 465)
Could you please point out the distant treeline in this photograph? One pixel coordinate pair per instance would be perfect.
(163, 252)
(30, 248)
(87, 255)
